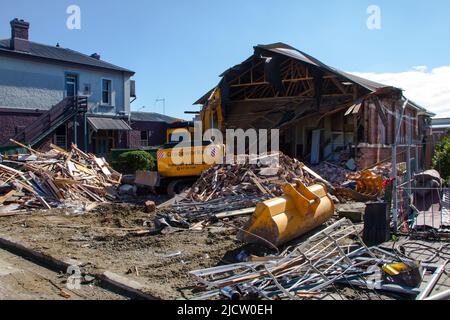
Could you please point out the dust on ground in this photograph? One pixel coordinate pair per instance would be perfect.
(103, 240)
(21, 279)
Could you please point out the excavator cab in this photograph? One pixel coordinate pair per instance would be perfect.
(180, 130)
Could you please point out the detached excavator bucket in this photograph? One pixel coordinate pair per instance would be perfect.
(282, 219)
(368, 187)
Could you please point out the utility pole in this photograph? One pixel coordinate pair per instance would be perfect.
(164, 104)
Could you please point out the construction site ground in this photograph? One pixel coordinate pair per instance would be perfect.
(21, 279)
(104, 240)
(101, 240)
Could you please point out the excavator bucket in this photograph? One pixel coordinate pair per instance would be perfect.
(369, 184)
(368, 187)
(280, 220)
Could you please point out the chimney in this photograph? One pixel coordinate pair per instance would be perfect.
(19, 35)
(95, 56)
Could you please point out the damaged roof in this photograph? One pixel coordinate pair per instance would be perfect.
(291, 52)
(43, 51)
(287, 50)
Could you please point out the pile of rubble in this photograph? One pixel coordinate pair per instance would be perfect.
(335, 174)
(385, 169)
(338, 175)
(42, 180)
(313, 269)
(265, 177)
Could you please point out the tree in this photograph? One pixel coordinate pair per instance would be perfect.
(441, 158)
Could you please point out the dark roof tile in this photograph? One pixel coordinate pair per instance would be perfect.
(60, 54)
(151, 116)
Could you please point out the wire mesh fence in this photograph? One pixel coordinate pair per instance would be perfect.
(421, 208)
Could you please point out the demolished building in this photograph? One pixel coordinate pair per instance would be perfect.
(321, 112)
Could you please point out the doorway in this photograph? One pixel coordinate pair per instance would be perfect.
(103, 141)
(71, 85)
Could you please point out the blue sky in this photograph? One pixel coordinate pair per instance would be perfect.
(179, 47)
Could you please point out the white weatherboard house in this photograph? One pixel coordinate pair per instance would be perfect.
(50, 94)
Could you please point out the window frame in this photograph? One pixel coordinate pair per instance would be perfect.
(76, 78)
(144, 142)
(110, 92)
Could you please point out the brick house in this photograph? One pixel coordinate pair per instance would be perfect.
(441, 128)
(322, 113)
(50, 94)
(149, 129)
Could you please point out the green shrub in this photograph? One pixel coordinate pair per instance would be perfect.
(441, 158)
(132, 161)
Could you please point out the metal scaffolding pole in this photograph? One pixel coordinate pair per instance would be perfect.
(75, 131)
(394, 165)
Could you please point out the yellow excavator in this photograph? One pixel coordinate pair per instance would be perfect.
(183, 159)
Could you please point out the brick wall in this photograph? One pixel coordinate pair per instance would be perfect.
(157, 132)
(11, 121)
(370, 155)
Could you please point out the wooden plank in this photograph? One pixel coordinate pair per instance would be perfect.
(235, 213)
(315, 146)
(380, 111)
(13, 213)
(91, 206)
(315, 175)
(7, 196)
(63, 181)
(126, 284)
(258, 183)
(25, 147)
(11, 170)
(57, 148)
(44, 203)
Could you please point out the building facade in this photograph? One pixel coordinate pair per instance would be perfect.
(148, 129)
(322, 113)
(50, 94)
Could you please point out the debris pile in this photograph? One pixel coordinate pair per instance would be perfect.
(42, 180)
(385, 169)
(335, 255)
(335, 174)
(266, 177)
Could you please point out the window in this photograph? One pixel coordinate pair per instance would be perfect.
(60, 138)
(106, 92)
(409, 129)
(87, 89)
(144, 138)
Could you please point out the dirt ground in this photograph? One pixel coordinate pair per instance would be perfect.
(21, 279)
(103, 240)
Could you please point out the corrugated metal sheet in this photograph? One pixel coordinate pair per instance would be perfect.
(60, 54)
(108, 124)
